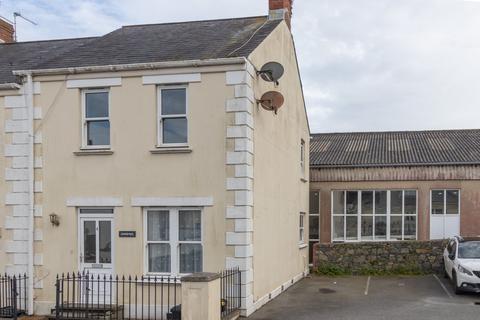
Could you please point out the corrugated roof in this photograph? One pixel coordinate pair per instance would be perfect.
(366, 149)
(197, 40)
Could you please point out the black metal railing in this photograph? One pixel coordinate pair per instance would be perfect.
(231, 291)
(87, 296)
(13, 296)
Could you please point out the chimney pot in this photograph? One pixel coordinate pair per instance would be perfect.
(281, 10)
(6, 31)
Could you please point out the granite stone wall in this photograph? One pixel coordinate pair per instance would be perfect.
(382, 257)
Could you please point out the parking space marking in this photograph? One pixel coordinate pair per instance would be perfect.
(443, 286)
(367, 286)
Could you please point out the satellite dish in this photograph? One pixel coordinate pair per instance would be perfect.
(272, 101)
(271, 72)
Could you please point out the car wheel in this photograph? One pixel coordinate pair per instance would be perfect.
(445, 273)
(456, 288)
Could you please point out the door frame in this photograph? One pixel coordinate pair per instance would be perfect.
(445, 215)
(94, 216)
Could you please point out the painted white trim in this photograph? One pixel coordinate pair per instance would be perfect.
(94, 202)
(94, 83)
(174, 240)
(172, 201)
(161, 117)
(86, 120)
(273, 294)
(172, 78)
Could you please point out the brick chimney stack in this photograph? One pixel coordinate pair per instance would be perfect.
(6, 31)
(281, 10)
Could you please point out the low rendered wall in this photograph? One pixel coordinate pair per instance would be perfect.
(381, 257)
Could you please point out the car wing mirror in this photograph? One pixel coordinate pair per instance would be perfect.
(451, 256)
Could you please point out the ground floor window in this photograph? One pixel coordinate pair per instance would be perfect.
(173, 241)
(313, 221)
(301, 228)
(374, 215)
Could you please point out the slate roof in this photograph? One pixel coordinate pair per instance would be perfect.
(26, 55)
(379, 149)
(197, 40)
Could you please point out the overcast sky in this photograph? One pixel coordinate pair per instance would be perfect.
(366, 65)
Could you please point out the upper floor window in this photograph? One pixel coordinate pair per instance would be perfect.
(445, 202)
(301, 228)
(96, 118)
(172, 116)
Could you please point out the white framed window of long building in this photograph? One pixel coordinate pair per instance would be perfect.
(172, 116)
(173, 240)
(374, 215)
(96, 118)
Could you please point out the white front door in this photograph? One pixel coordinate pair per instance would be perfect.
(444, 214)
(96, 254)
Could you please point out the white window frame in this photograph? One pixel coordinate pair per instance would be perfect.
(160, 116)
(374, 215)
(85, 120)
(316, 214)
(301, 228)
(173, 239)
(445, 202)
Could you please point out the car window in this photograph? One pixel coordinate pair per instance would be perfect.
(469, 250)
(449, 246)
(454, 249)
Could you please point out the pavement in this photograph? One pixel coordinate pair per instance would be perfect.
(371, 298)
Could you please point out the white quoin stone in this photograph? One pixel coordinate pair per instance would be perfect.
(37, 113)
(244, 118)
(12, 223)
(243, 198)
(244, 91)
(244, 171)
(20, 114)
(16, 126)
(238, 77)
(38, 210)
(20, 186)
(239, 132)
(235, 238)
(243, 225)
(239, 212)
(16, 174)
(21, 235)
(242, 263)
(239, 158)
(20, 138)
(15, 150)
(16, 198)
(19, 162)
(243, 251)
(239, 184)
(20, 211)
(15, 102)
(16, 247)
(244, 144)
(239, 105)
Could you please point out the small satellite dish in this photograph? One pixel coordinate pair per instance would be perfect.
(272, 101)
(271, 72)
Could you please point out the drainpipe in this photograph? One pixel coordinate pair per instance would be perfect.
(31, 226)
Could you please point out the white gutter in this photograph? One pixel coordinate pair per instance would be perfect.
(9, 86)
(31, 226)
(131, 67)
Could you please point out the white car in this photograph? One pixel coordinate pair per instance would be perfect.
(462, 263)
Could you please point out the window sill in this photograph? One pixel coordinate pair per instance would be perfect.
(93, 152)
(302, 245)
(170, 150)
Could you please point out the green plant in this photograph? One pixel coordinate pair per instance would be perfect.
(327, 269)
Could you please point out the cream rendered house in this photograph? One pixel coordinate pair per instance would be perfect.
(145, 151)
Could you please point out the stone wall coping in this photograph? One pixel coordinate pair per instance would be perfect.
(201, 277)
